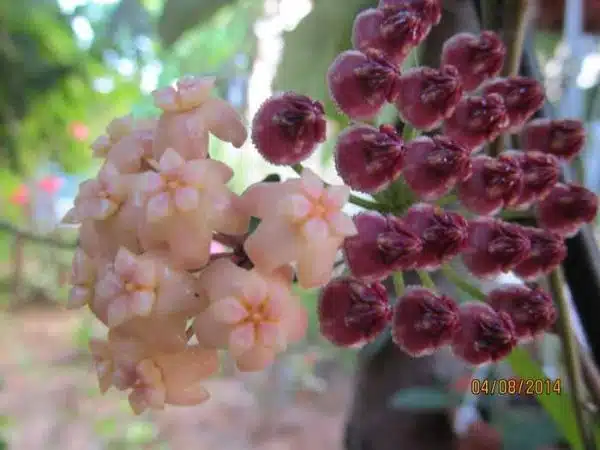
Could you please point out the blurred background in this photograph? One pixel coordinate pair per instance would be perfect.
(67, 68)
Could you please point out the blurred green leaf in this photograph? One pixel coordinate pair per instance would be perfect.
(311, 48)
(106, 427)
(527, 428)
(425, 398)
(140, 432)
(179, 16)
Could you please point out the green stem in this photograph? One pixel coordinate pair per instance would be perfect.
(358, 201)
(462, 284)
(426, 280)
(508, 215)
(399, 286)
(447, 199)
(573, 366)
(409, 133)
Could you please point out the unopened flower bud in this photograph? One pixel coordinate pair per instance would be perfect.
(523, 97)
(382, 245)
(530, 309)
(429, 10)
(360, 84)
(477, 58)
(476, 120)
(424, 321)
(548, 250)
(494, 247)
(433, 165)
(392, 32)
(484, 334)
(287, 128)
(566, 208)
(352, 312)
(540, 173)
(494, 183)
(427, 96)
(564, 138)
(369, 159)
(444, 234)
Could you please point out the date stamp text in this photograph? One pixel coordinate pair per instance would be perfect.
(516, 386)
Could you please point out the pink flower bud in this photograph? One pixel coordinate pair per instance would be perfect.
(433, 165)
(562, 138)
(427, 96)
(360, 83)
(477, 58)
(444, 234)
(522, 96)
(368, 159)
(547, 251)
(352, 312)
(477, 120)
(287, 128)
(429, 10)
(392, 32)
(424, 321)
(494, 247)
(494, 184)
(530, 309)
(484, 334)
(540, 173)
(566, 208)
(382, 245)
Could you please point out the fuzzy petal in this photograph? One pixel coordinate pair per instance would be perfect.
(170, 160)
(316, 263)
(159, 207)
(256, 359)
(118, 311)
(186, 199)
(341, 224)
(223, 121)
(273, 244)
(125, 262)
(311, 183)
(242, 339)
(142, 302)
(337, 196)
(228, 310)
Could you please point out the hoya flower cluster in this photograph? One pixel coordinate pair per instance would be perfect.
(151, 219)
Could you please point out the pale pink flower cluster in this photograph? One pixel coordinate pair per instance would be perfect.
(146, 264)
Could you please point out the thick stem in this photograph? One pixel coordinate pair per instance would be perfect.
(459, 281)
(572, 361)
(514, 25)
(399, 284)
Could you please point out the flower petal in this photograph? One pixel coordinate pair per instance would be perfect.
(336, 196)
(150, 182)
(170, 160)
(125, 262)
(228, 310)
(142, 302)
(341, 224)
(118, 311)
(78, 296)
(296, 207)
(186, 199)
(271, 335)
(311, 183)
(159, 207)
(315, 230)
(242, 339)
(273, 244)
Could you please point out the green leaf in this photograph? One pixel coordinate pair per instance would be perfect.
(179, 16)
(425, 398)
(558, 406)
(527, 428)
(140, 433)
(313, 45)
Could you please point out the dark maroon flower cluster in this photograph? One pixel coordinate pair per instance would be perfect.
(354, 312)
(472, 105)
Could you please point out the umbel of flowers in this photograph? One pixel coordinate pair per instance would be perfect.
(145, 266)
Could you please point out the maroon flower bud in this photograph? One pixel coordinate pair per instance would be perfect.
(493, 184)
(429, 10)
(423, 321)
(360, 83)
(392, 33)
(522, 96)
(540, 173)
(444, 234)
(369, 159)
(382, 245)
(484, 334)
(287, 128)
(477, 58)
(427, 96)
(433, 165)
(530, 309)
(566, 208)
(562, 138)
(547, 251)
(476, 120)
(352, 312)
(494, 247)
